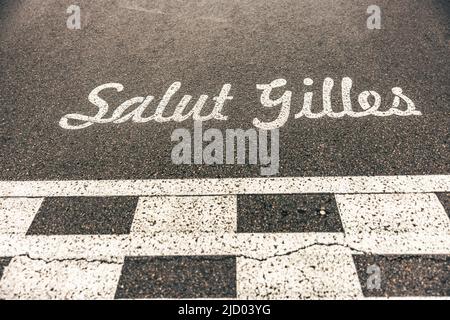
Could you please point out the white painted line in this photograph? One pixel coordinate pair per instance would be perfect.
(185, 214)
(26, 278)
(229, 186)
(395, 223)
(401, 244)
(88, 247)
(251, 245)
(16, 214)
(114, 248)
(314, 273)
(269, 265)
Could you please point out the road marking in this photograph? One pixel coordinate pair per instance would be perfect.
(123, 114)
(114, 248)
(26, 278)
(313, 273)
(16, 214)
(394, 223)
(275, 265)
(185, 214)
(252, 245)
(182, 187)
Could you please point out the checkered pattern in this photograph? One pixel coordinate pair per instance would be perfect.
(224, 246)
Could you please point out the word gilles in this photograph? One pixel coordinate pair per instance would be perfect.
(134, 108)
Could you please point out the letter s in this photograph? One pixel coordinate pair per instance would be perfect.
(95, 100)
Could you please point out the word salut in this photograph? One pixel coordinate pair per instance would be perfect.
(144, 108)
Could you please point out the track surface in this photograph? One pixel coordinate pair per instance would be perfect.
(47, 71)
(103, 212)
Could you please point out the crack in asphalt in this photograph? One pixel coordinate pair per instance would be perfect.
(297, 250)
(27, 255)
(245, 256)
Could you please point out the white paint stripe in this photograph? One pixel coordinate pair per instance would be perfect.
(313, 273)
(185, 214)
(275, 265)
(114, 248)
(401, 244)
(92, 247)
(26, 278)
(16, 214)
(251, 245)
(395, 223)
(378, 184)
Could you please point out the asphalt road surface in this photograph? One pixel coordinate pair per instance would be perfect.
(48, 71)
(362, 196)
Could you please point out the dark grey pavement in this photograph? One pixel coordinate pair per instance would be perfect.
(47, 71)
